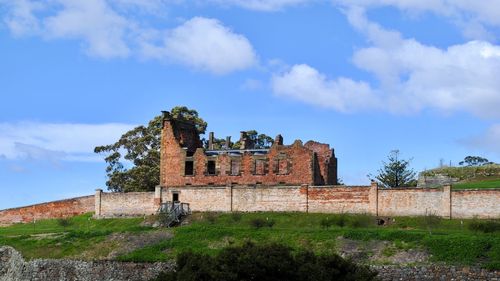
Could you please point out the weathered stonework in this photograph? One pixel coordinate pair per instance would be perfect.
(14, 267)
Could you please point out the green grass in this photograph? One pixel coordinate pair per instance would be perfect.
(478, 184)
(448, 241)
(48, 239)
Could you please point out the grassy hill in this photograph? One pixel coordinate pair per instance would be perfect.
(487, 176)
(405, 241)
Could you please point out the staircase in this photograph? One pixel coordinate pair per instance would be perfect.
(171, 213)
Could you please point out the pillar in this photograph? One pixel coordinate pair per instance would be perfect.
(373, 198)
(157, 200)
(97, 204)
(446, 202)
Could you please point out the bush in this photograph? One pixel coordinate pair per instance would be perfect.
(362, 220)
(487, 226)
(340, 220)
(430, 221)
(64, 222)
(326, 223)
(265, 262)
(211, 218)
(236, 216)
(259, 223)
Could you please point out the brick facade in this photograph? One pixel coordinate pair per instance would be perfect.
(184, 161)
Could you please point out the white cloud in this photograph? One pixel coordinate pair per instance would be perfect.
(21, 19)
(205, 44)
(263, 5)
(414, 76)
(113, 28)
(54, 142)
(488, 141)
(306, 84)
(470, 16)
(93, 21)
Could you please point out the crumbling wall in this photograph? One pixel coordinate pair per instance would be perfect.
(50, 210)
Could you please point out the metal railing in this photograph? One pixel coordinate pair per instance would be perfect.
(171, 213)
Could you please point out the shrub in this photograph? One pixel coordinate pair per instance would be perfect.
(236, 216)
(64, 222)
(362, 220)
(340, 220)
(260, 222)
(211, 218)
(326, 223)
(265, 262)
(487, 226)
(430, 221)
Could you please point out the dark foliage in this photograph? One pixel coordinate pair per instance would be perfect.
(134, 160)
(266, 263)
(474, 161)
(260, 222)
(487, 226)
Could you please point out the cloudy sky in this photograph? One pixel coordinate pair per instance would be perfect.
(365, 76)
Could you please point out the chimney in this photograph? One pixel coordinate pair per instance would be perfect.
(278, 140)
(243, 140)
(211, 141)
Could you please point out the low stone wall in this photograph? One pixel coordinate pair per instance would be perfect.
(435, 272)
(14, 267)
(49, 210)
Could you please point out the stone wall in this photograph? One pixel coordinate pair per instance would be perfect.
(14, 267)
(49, 210)
(414, 202)
(481, 203)
(125, 204)
(315, 199)
(435, 272)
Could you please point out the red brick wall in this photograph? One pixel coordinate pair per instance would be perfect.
(56, 209)
(339, 199)
(176, 148)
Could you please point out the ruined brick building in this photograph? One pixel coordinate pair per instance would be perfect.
(185, 162)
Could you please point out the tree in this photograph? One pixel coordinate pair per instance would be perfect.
(396, 172)
(140, 149)
(474, 161)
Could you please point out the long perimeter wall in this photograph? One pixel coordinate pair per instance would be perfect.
(315, 199)
(442, 201)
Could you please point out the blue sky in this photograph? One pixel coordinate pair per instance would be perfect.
(364, 76)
